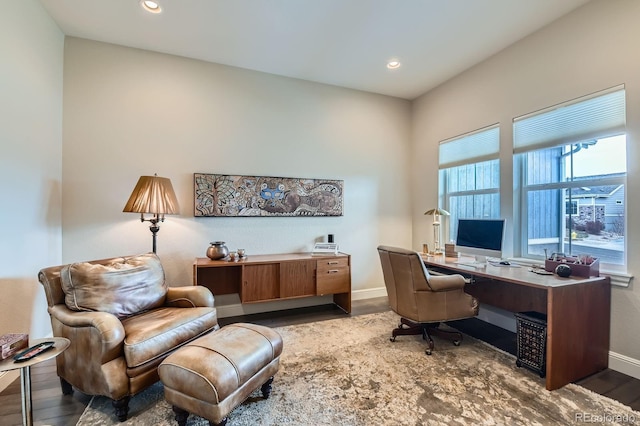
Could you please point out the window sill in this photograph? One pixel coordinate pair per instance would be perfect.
(618, 278)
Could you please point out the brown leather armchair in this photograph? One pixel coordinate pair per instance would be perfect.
(423, 300)
(122, 320)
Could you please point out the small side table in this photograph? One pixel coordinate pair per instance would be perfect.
(60, 344)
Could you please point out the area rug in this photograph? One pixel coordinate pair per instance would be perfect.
(347, 372)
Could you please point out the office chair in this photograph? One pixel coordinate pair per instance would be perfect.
(423, 300)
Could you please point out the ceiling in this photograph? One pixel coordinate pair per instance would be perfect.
(340, 42)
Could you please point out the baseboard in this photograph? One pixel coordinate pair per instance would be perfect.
(369, 293)
(239, 309)
(498, 317)
(624, 364)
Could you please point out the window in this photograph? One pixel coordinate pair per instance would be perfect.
(470, 177)
(571, 166)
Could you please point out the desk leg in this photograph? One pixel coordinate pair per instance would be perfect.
(25, 386)
(578, 331)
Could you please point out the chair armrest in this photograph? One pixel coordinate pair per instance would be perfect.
(189, 297)
(103, 324)
(446, 282)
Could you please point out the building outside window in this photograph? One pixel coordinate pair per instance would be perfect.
(572, 207)
(570, 164)
(469, 180)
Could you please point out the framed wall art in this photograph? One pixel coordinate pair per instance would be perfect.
(238, 195)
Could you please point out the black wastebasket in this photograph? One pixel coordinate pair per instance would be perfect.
(531, 332)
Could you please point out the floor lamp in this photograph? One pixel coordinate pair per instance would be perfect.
(436, 213)
(153, 195)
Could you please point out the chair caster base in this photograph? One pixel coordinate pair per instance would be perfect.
(408, 327)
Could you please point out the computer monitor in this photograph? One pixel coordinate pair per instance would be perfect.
(481, 238)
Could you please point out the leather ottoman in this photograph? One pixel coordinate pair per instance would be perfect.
(212, 375)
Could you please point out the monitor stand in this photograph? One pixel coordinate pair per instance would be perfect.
(479, 262)
(481, 259)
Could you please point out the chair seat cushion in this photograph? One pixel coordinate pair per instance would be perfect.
(153, 334)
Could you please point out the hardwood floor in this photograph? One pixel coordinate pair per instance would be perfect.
(50, 407)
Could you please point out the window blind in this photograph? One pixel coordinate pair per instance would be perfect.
(473, 147)
(591, 117)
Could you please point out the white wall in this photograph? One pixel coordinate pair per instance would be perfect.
(30, 163)
(130, 112)
(586, 51)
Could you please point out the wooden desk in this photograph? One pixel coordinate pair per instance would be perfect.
(578, 312)
(261, 278)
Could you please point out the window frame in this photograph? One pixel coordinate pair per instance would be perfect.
(520, 172)
(489, 135)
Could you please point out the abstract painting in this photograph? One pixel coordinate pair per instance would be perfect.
(236, 195)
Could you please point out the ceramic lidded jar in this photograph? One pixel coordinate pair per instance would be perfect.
(217, 250)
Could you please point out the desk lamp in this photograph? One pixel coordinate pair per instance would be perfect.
(153, 195)
(436, 213)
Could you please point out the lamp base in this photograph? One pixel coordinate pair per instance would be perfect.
(154, 228)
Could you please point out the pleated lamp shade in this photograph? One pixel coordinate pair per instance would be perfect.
(437, 212)
(153, 194)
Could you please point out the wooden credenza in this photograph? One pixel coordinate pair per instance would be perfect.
(270, 277)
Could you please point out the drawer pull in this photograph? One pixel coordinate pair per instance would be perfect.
(333, 271)
(334, 262)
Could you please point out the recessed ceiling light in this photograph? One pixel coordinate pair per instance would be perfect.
(393, 64)
(151, 6)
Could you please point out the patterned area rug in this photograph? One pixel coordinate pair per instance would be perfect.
(347, 372)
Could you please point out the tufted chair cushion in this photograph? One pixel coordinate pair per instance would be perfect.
(123, 288)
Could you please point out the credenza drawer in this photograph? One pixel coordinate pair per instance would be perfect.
(333, 279)
(332, 263)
